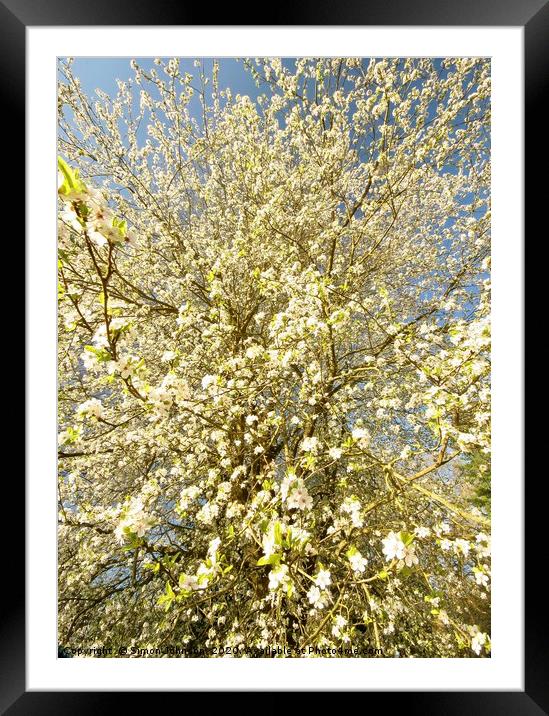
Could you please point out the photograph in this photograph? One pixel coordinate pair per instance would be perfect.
(273, 357)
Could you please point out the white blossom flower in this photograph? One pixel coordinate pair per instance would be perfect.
(309, 444)
(161, 398)
(335, 453)
(134, 520)
(339, 624)
(463, 546)
(70, 217)
(278, 577)
(214, 545)
(207, 513)
(268, 543)
(352, 507)
(393, 547)
(126, 366)
(253, 351)
(323, 578)
(358, 562)
(443, 617)
(481, 578)
(409, 557)
(300, 499)
(208, 380)
(97, 237)
(89, 359)
(314, 595)
(91, 408)
(478, 639)
(483, 545)
(361, 434)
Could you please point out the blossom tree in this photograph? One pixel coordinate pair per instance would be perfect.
(274, 358)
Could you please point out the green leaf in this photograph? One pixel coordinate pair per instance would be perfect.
(167, 598)
(290, 590)
(73, 434)
(71, 182)
(271, 559)
(68, 174)
(101, 353)
(278, 533)
(263, 525)
(406, 538)
(121, 225)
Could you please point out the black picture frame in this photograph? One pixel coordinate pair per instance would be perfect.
(533, 15)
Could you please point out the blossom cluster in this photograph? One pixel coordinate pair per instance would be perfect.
(274, 356)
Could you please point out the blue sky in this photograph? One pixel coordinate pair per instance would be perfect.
(102, 73)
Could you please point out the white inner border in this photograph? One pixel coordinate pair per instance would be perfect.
(504, 670)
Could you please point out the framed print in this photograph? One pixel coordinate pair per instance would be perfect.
(275, 355)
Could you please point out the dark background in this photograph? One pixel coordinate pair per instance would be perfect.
(15, 15)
